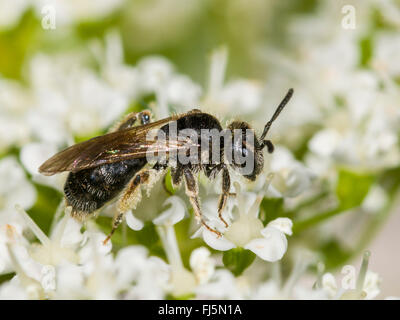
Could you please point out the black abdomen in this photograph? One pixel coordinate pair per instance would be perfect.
(90, 189)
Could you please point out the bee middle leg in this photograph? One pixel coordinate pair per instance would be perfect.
(226, 185)
(193, 193)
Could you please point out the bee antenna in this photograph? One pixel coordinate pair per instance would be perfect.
(283, 103)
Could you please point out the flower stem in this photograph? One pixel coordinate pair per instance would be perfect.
(170, 244)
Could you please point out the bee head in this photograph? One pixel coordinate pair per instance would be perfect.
(247, 156)
(247, 149)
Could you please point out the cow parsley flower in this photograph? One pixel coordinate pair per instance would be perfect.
(247, 230)
(11, 12)
(365, 286)
(14, 189)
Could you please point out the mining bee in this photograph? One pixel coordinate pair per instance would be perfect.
(116, 166)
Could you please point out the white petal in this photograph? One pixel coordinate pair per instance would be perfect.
(70, 282)
(133, 222)
(271, 247)
(297, 181)
(213, 241)
(223, 285)
(371, 284)
(329, 284)
(72, 234)
(282, 224)
(242, 96)
(174, 214)
(375, 199)
(34, 154)
(324, 142)
(202, 264)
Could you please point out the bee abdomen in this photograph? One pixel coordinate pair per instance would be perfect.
(88, 190)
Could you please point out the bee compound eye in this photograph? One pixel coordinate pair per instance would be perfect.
(145, 118)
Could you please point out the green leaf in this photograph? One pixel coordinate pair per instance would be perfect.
(390, 180)
(6, 277)
(18, 43)
(352, 188)
(188, 296)
(272, 208)
(334, 254)
(238, 259)
(366, 51)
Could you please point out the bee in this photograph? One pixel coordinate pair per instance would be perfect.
(115, 166)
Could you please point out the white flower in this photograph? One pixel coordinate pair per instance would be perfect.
(182, 92)
(375, 200)
(60, 247)
(11, 12)
(154, 71)
(363, 134)
(175, 213)
(133, 222)
(76, 100)
(240, 96)
(151, 280)
(247, 231)
(202, 264)
(222, 285)
(122, 77)
(34, 154)
(14, 189)
(385, 50)
(364, 286)
(290, 177)
(157, 76)
(168, 217)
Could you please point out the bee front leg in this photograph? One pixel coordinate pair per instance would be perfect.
(129, 199)
(192, 192)
(226, 185)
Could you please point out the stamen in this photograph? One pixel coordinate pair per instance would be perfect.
(63, 225)
(270, 176)
(320, 273)
(363, 272)
(57, 215)
(254, 209)
(33, 226)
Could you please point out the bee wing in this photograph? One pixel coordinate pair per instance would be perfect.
(136, 142)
